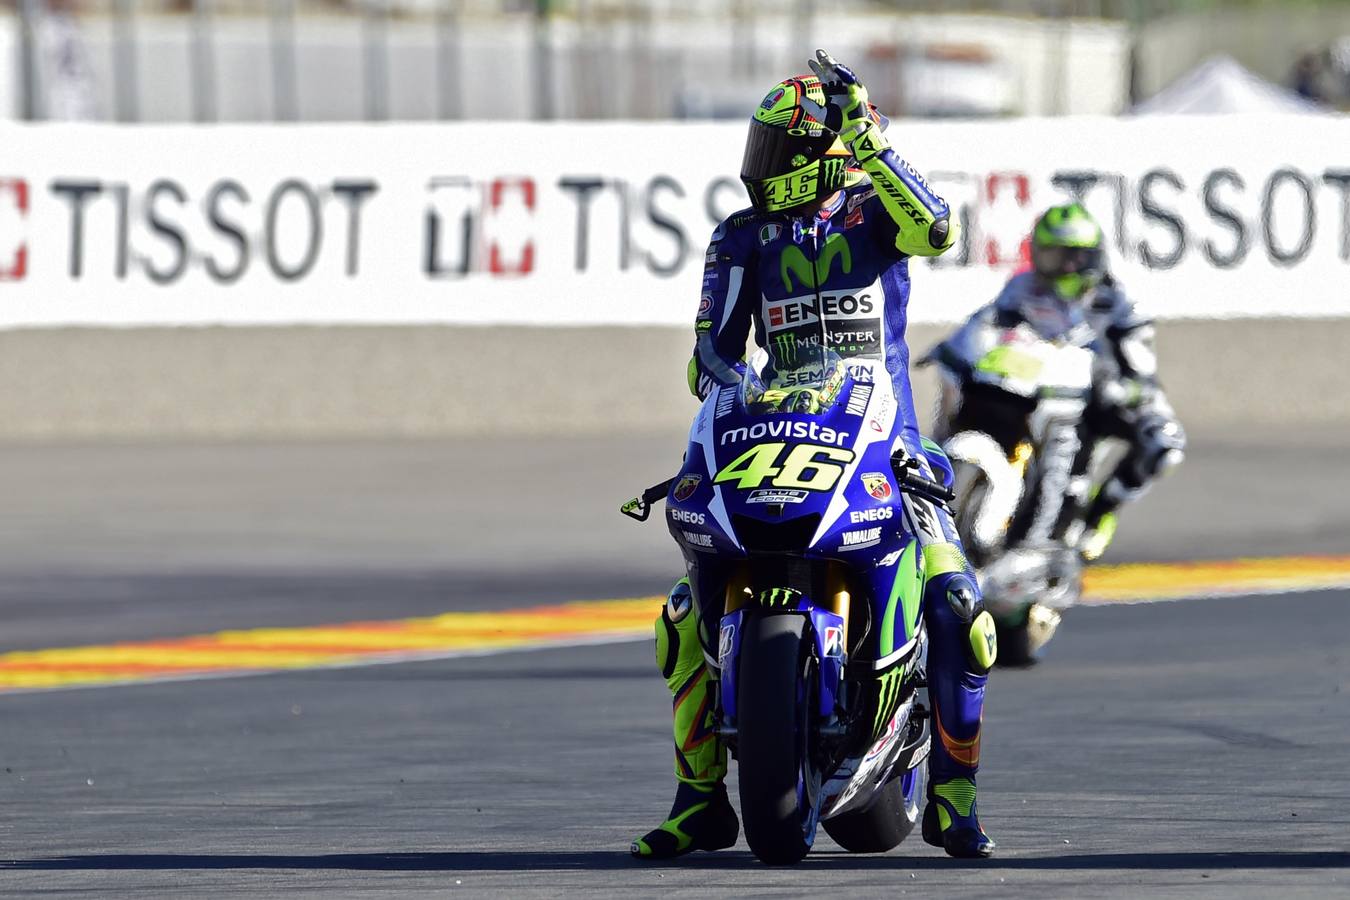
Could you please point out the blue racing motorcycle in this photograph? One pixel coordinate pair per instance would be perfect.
(796, 510)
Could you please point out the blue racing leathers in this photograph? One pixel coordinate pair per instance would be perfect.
(779, 275)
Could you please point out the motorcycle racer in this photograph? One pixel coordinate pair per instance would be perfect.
(835, 216)
(1069, 292)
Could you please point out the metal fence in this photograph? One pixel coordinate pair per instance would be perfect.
(289, 60)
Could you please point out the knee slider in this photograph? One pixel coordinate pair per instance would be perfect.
(963, 597)
(1167, 461)
(1163, 447)
(678, 651)
(981, 644)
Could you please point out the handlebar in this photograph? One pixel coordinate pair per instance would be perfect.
(907, 475)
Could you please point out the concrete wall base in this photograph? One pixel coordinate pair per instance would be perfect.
(326, 382)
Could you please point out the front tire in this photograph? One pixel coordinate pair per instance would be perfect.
(772, 725)
(888, 821)
(1016, 650)
(1021, 645)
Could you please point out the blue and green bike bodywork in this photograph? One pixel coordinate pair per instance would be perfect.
(794, 502)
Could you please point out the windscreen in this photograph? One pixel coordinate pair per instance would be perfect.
(787, 378)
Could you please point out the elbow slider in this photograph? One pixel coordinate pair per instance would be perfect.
(939, 234)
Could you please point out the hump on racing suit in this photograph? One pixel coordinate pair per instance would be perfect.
(842, 274)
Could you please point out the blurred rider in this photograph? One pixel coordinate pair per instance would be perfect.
(835, 217)
(1069, 288)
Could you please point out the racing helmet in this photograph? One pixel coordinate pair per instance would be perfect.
(791, 160)
(1066, 250)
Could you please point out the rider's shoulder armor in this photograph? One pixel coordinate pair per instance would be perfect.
(737, 227)
(732, 244)
(964, 347)
(1026, 298)
(1020, 288)
(1112, 313)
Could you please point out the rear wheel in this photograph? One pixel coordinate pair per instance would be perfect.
(888, 821)
(773, 724)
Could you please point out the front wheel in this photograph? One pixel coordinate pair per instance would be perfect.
(1021, 645)
(773, 723)
(888, 821)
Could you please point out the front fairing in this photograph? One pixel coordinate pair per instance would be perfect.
(817, 485)
(741, 503)
(1020, 362)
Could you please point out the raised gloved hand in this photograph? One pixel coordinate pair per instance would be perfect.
(846, 111)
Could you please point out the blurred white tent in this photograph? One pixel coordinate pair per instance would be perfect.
(1221, 84)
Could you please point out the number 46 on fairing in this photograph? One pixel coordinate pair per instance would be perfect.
(809, 467)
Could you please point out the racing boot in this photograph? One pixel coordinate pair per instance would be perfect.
(1099, 524)
(950, 822)
(1097, 536)
(963, 647)
(1158, 447)
(702, 817)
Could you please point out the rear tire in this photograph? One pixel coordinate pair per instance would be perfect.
(772, 723)
(888, 821)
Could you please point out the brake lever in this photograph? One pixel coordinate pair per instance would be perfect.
(640, 508)
(907, 474)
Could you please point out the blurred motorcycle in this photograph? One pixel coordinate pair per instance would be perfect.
(1009, 420)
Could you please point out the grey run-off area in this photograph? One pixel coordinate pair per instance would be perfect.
(1171, 749)
(1194, 748)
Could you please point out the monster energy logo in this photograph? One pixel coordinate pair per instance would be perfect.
(888, 698)
(794, 262)
(785, 349)
(783, 597)
(832, 171)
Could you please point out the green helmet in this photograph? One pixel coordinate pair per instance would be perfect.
(791, 160)
(1066, 250)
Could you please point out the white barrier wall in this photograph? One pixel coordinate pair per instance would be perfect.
(606, 224)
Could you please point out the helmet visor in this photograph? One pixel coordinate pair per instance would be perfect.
(1055, 261)
(771, 150)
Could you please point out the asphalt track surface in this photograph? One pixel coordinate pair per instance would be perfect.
(1199, 747)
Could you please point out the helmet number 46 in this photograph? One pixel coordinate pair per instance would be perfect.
(809, 467)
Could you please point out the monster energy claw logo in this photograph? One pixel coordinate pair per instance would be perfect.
(785, 349)
(784, 597)
(888, 699)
